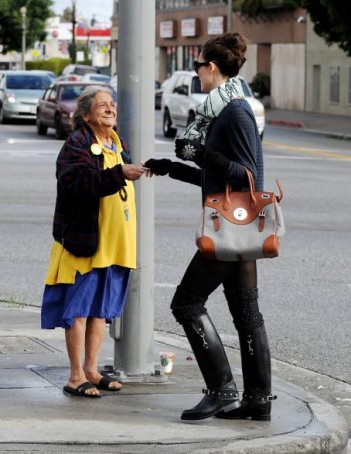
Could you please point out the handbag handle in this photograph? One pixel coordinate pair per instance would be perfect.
(253, 201)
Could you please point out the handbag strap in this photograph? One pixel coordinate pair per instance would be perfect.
(226, 200)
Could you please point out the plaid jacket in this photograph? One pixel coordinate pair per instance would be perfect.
(81, 182)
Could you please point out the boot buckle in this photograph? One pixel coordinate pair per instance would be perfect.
(220, 393)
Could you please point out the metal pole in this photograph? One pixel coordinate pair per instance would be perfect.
(134, 356)
(229, 15)
(23, 12)
(74, 54)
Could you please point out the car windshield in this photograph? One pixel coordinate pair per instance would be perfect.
(71, 93)
(196, 85)
(27, 82)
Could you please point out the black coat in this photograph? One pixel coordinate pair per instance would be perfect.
(81, 182)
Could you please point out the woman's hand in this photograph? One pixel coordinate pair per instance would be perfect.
(132, 172)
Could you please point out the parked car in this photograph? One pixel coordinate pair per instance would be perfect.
(114, 82)
(76, 72)
(159, 92)
(96, 77)
(57, 106)
(182, 94)
(20, 92)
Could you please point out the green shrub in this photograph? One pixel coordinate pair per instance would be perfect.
(54, 64)
(261, 84)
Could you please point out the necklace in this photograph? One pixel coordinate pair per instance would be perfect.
(124, 197)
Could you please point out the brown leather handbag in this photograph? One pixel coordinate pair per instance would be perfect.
(237, 226)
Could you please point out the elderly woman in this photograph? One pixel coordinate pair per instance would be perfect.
(94, 230)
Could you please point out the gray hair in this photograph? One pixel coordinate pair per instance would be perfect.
(85, 102)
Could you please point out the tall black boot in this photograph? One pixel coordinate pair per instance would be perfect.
(255, 358)
(221, 395)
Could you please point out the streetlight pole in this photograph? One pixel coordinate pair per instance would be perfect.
(23, 12)
(74, 22)
(229, 15)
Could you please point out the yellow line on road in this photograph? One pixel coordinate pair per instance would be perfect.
(310, 151)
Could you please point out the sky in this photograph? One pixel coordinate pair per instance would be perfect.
(102, 9)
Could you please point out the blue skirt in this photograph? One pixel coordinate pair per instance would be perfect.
(101, 293)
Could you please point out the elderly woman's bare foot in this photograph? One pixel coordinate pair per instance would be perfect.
(104, 382)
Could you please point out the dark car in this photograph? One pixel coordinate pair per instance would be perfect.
(159, 89)
(57, 106)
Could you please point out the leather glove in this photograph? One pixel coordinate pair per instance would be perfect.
(159, 166)
(190, 150)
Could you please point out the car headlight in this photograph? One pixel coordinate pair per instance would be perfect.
(10, 97)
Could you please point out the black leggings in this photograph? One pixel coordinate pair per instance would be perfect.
(203, 276)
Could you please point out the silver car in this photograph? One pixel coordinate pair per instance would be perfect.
(20, 92)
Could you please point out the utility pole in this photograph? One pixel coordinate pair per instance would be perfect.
(133, 355)
(74, 22)
(229, 15)
(23, 11)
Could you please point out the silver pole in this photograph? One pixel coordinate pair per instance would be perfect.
(23, 12)
(133, 355)
(229, 15)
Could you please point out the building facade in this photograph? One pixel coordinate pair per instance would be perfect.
(305, 74)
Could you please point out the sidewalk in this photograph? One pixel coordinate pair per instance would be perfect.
(35, 415)
(328, 125)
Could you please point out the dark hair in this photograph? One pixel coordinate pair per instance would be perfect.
(227, 51)
(85, 102)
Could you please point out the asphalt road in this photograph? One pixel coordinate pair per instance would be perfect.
(304, 294)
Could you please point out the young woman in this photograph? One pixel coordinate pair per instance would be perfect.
(222, 139)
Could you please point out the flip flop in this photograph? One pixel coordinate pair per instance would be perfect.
(80, 390)
(104, 384)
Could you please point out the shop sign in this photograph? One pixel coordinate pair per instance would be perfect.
(215, 25)
(189, 27)
(167, 29)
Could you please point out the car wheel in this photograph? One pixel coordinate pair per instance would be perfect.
(191, 118)
(59, 130)
(168, 131)
(2, 117)
(41, 129)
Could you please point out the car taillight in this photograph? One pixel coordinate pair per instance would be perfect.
(73, 78)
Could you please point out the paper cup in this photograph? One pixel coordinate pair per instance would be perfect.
(166, 361)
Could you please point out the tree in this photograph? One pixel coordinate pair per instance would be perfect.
(332, 21)
(11, 22)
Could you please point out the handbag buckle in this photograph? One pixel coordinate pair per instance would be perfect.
(215, 219)
(261, 222)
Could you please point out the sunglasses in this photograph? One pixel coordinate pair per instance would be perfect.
(198, 64)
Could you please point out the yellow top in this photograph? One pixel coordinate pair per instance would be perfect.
(117, 233)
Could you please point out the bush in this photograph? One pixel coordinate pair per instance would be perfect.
(261, 84)
(52, 64)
